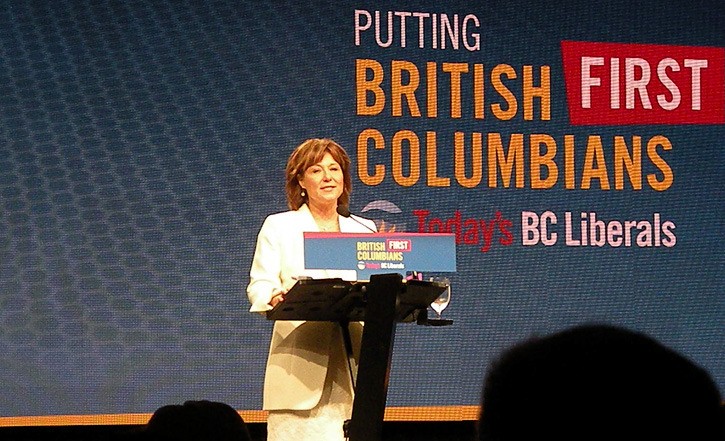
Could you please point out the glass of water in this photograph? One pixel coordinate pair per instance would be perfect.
(444, 299)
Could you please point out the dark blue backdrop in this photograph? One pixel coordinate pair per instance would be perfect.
(143, 143)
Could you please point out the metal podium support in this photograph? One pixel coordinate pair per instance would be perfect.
(376, 351)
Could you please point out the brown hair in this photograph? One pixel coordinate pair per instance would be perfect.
(308, 154)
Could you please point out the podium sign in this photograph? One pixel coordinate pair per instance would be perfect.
(381, 253)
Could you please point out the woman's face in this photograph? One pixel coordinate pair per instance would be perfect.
(323, 182)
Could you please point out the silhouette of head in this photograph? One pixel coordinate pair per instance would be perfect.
(598, 382)
(196, 421)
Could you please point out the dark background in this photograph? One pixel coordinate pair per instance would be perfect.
(143, 143)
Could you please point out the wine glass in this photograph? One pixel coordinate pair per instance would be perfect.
(444, 299)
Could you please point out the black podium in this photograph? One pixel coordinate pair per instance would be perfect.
(380, 303)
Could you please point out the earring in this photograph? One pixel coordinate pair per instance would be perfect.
(303, 193)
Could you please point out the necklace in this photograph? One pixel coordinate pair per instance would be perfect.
(327, 220)
(328, 226)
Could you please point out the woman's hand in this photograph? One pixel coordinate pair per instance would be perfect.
(277, 298)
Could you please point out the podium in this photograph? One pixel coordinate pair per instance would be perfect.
(380, 303)
(380, 299)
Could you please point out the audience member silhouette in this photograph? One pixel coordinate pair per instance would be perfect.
(196, 421)
(598, 382)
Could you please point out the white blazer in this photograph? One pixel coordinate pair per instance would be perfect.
(299, 351)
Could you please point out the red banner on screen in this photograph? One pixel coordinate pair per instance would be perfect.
(619, 84)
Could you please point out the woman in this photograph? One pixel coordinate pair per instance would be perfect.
(307, 388)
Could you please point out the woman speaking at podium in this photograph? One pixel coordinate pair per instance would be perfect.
(308, 388)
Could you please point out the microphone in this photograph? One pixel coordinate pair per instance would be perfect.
(345, 212)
